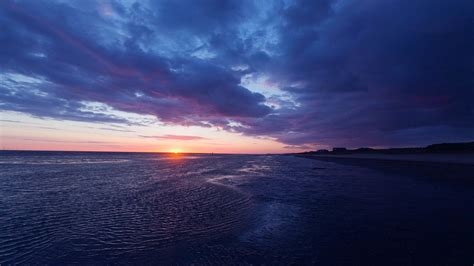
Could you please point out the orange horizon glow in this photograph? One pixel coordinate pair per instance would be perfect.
(175, 150)
(55, 135)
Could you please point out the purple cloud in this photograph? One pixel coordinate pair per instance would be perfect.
(346, 73)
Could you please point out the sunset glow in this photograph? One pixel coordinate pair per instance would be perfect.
(175, 151)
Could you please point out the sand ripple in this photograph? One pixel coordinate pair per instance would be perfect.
(96, 212)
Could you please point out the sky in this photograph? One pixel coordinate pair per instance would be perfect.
(244, 76)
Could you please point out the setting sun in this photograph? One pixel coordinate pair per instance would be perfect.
(175, 151)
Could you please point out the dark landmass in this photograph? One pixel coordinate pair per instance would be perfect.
(464, 147)
(453, 153)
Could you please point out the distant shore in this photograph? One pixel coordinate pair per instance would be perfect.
(455, 153)
(461, 158)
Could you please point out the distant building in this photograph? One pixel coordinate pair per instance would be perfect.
(339, 149)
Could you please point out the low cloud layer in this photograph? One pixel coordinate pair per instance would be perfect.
(352, 73)
(175, 137)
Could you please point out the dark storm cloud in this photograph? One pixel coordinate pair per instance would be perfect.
(356, 72)
(374, 72)
(175, 89)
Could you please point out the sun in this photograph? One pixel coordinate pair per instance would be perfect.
(175, 151)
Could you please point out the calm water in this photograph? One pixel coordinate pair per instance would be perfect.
(96, 208)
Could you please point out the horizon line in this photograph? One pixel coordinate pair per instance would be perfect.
(164, 152)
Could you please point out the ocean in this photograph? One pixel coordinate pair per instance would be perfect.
(164, 209)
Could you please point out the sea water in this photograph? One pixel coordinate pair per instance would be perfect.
(143, 208)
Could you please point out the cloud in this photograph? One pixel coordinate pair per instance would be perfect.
(347, 73)
(369, 73)
(64, 141)
(300, 147)
(9, 121)
(74, 68)
(175, 137)
(115, 129)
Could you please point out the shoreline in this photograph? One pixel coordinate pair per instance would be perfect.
(417, 166)
(451, 158)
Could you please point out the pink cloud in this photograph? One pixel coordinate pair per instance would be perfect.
(175, 137)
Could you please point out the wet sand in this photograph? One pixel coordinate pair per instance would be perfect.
(461, 158)
(433, 166)
(96, 208)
